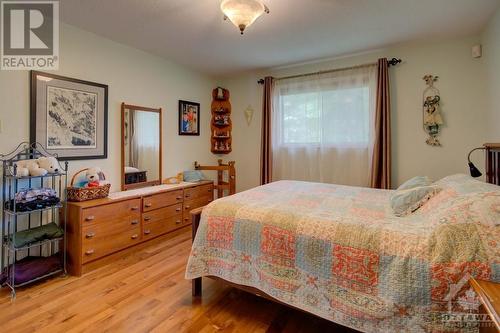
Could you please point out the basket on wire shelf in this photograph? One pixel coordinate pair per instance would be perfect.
(79, 193)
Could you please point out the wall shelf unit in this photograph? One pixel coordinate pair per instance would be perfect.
(221, 124)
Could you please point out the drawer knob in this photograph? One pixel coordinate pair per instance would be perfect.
(134, 222)
(178, 198)
(177, 209)
(147, 232)
(147, 218)
(135, 208)
(187, 195)
(186, 219)
(148, 205)
(178, 222)
(187, 207)
(134, 236)
(209, 190)
(90, 235)
(89, 252)
(90, 218)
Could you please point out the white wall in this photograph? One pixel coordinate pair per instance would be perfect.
(463, 107)
(139, 78)
(245, 138)
(134, 77)
(491, 57)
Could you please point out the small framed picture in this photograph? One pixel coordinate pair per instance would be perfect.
(69, 117)
(189, 118)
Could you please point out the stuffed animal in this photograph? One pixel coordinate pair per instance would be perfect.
(37, 167)
(92, 176)
(23, 168)
(174, 180)
(51, 164)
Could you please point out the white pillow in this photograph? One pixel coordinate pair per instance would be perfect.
(404, 202)
(415, 182)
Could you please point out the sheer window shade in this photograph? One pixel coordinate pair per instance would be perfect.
(323, 127)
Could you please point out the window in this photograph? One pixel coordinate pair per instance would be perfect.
(331, 117)
(322, 126)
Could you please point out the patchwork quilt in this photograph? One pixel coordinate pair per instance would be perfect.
(340, 253)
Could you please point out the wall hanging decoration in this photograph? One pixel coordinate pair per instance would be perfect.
(432, 119)
(69, 117)
(249, 114)
(221, 124)
(189, 118)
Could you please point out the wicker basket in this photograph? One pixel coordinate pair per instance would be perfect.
(86, 193)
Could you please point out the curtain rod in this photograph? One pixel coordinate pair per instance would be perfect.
(391, 62)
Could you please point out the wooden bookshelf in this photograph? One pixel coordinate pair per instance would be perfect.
(221, 124)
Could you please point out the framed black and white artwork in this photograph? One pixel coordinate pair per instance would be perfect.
(69, 117)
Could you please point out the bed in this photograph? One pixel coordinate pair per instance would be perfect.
(340, 253)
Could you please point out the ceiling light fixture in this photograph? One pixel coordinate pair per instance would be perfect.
(243, 12)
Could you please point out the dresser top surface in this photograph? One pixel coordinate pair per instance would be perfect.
(137, 193)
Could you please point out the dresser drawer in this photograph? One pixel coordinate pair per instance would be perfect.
(108, 227)
(192, 204)
(161, 200)
(198, 191)
(162, 213)
(159, 227)
(112, 212)
(103, 239)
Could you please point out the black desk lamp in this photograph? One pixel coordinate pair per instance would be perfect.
(474, 172)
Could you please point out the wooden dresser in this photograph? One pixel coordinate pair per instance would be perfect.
(100, 230)
(489, 295)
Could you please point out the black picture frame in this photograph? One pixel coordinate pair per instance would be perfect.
(183, 108)
(38, 115)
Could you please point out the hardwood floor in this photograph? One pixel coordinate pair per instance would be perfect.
(146, 292)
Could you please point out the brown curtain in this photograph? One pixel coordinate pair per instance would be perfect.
(266, 159)
(381, 160)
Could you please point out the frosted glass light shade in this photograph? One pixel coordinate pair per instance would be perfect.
(242, 13)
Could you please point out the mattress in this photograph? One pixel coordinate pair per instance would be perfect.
(340, 253)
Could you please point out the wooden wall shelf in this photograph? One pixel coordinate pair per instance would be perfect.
(221, 124)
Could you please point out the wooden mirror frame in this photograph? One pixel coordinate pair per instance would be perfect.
(144, 184)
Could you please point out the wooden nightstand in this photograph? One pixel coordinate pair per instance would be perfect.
(489, 294)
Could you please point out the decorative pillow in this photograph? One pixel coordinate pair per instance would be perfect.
(415, 182)
(404, 202)
(193, 176)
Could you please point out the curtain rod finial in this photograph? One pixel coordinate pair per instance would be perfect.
(261, 81)
(394, 61)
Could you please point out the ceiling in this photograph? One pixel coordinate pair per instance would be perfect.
(193, 32)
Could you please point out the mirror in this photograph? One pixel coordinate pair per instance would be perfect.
(141, 146)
